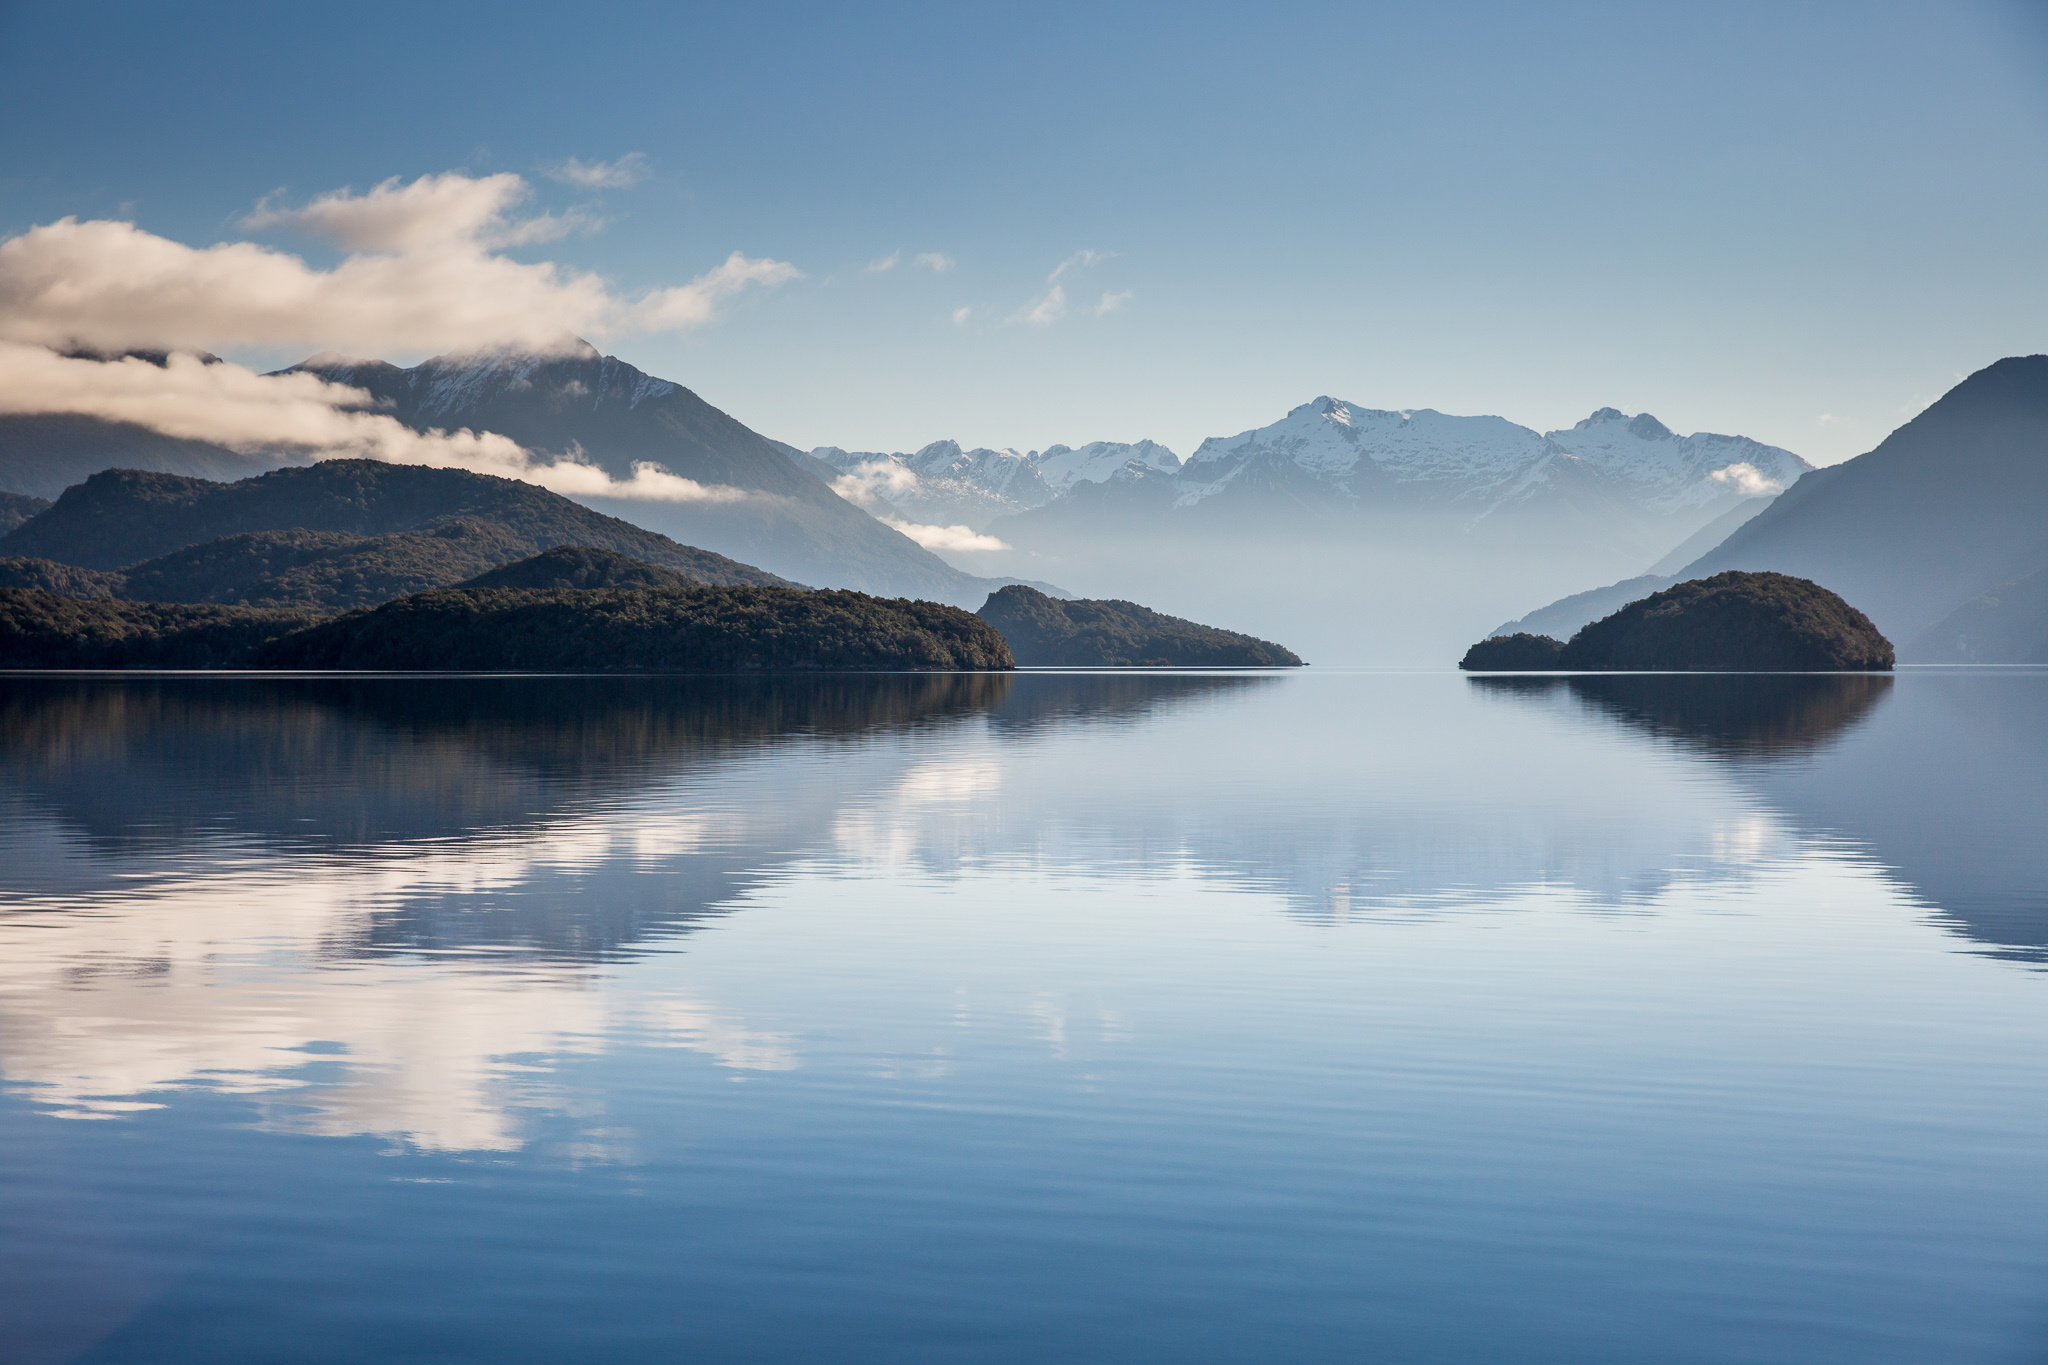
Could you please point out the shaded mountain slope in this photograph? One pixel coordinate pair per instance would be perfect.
(315, 570)
(1564, 618)
(1949, 506)
(578, 567)
(616, 416)
(45, 453)
(2008, 625)
(122, 517)
(321, 570)
(1043, 631)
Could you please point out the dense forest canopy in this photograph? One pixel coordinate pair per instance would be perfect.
(704, 629)
(1733, 621)
(1045, 631)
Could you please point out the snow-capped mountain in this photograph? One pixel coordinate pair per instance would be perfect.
(1664, 470)
(1099, 461)
(1482, 465)
(1375, 535)
(1357, 453)
(945, 485)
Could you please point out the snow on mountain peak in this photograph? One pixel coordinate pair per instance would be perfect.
(1664, 470)
(1100, 461)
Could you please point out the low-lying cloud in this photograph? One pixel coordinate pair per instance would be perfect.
(944, 537)
(872, 486)
(298, 416)
(873, 483)
(1747, 480)
(423, 272)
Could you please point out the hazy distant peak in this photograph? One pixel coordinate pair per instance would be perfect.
(1642, 426)
(516, 357)
(334, 360)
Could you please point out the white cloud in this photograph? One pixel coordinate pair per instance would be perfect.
(298, 416)
(945, 537)
(938, 262)
(960, 316)
(422, 274)
(1077, 261)
(1747, 480)
(875, 483)
(627, 171)
(694, 304)
(433, 213)
(1826, 419)
(1045, 310)
(1051, 306)
(886, 263)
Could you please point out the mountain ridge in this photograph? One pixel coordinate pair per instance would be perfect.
(1959, 494)
(118, 518)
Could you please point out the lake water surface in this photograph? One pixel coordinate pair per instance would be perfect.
(1056, 1017)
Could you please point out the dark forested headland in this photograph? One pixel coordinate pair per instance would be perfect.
(683, 630)
(693, 629)
(40, 629)
(1044, 631)
(1733, 621)
(1517, 653)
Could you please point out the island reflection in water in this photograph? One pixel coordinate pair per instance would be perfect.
(470, 916)
(1749, 715)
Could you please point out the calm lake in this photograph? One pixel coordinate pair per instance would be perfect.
(1058, 1017)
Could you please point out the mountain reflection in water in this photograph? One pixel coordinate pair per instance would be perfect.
(496, 842)
(1940, 775)
(788, 1017)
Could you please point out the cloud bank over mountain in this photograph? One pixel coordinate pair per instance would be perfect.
(424, 270)
(298, 415)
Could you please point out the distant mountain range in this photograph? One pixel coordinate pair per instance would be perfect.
(1329, 457)
(1344, 527)
(945, 485)
(1627, 480)
(1939, 535)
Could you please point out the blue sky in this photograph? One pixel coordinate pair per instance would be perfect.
(1793, 222)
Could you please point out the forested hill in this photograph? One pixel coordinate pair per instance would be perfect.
(687, 630)
(1043, 631)
(121, 517)
(692, 630)
(579, 567)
